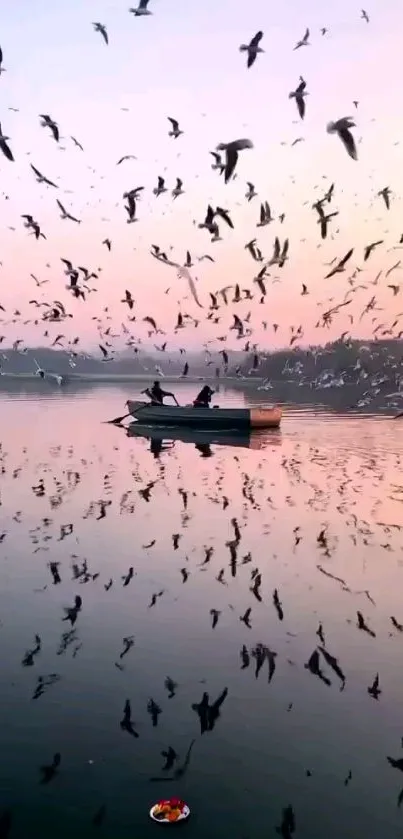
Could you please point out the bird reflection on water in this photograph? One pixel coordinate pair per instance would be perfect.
(159, 611)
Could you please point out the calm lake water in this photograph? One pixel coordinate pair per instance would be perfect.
(72, 494)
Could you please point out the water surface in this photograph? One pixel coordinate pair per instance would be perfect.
(293, 741)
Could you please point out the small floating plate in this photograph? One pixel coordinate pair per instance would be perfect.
(160, 811)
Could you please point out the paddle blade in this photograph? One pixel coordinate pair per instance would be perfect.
(117, 420)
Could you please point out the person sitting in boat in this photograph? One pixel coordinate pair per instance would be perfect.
(203, 398)
(157, 395)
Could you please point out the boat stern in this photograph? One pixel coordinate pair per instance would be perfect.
(261, 417)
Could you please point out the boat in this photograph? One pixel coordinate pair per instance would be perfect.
(191, 417)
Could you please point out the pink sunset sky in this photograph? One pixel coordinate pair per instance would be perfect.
(183, 61)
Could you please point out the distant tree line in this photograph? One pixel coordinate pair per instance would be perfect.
(353, 360)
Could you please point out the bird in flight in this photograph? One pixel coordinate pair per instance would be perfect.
(299, 95)
(231, 155)
(342, 128)
(252, 48)
(99, 27)
(142, 9)
(304, 42)
(41, 178)
(65, 214)
(340, 265)
(176, 131)
(5, 147)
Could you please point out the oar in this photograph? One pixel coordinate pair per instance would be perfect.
(118, 420)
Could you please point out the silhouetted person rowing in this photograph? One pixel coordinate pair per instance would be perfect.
(157, 395)
(203, 398)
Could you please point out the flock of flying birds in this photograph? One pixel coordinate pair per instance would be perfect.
(83, 281)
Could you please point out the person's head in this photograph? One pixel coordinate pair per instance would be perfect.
(156, 385)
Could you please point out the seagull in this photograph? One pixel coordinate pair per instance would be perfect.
(304, 41)
(323, 220)
(279, 255)
(299, 95)
(158, 254)
(252, 48)
(69, 266)
(251, 193)
(39, 282)
(385, 194)
(135, 193)
(364, 15)
(108, 244)
(73, 285)
(128, 299)
(259, 280)
(126, 157)
(224, 214)
(48, 122)
(130, 207)
(101, 28)
(41, 178)
(231, 155)
(211, 225)
(33, 225)
(2, 69)
(65, 214)
(183, 273)
(218, 162)
(105, 355)
(265, 215)
(161, 186)
(369, 248)
(5, 147)
(176, 131)
(254, 251)
(342, 128)
(393, 268)
(142, 9)
(178, 189)
(76, 143)
(340, 265)
(44, 374)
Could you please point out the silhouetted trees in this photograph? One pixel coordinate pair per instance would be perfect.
(353, 360)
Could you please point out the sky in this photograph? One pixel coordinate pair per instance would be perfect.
(183, 61)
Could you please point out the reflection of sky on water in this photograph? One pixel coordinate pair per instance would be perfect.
(340, 473)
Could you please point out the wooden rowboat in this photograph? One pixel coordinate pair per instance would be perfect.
(190, 417)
